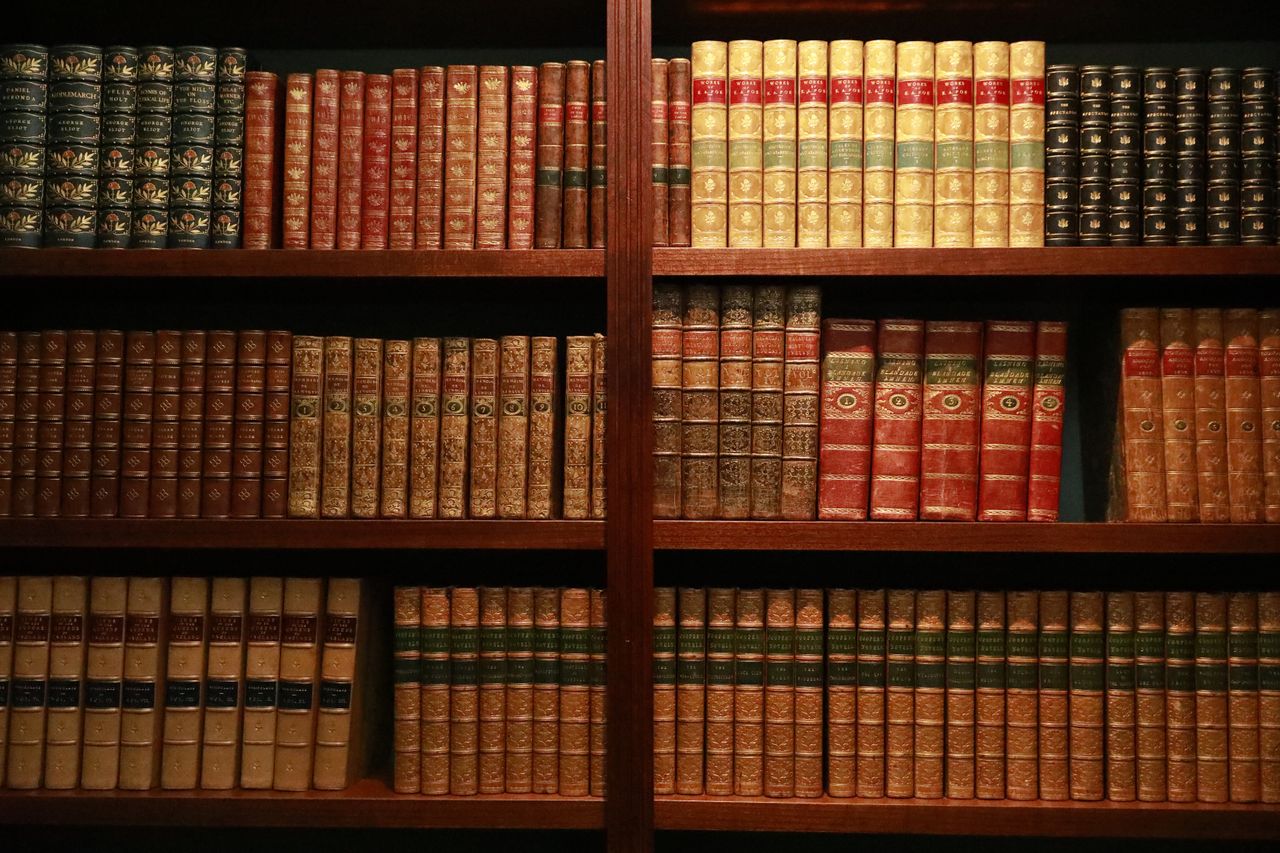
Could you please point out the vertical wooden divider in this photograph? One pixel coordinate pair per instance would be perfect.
(629, 527)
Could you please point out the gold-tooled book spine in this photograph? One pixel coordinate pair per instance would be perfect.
(930, 693)
(878, 143)
(326, 94)
(899, 714)
(1121, 708)
(428, 231)
(913, 148)
(1055, 615)
(464, 692)
(599, 709)
(403, 185)
(77, 457)
(801, 386)
(989, 678)
(658, 150)
(575, 693)
(336, 762)
(961, 640)
(522, 153)
(1244, 414)
(1026, 144)
(1242, 698)
(664, 690)
(104, 676)
(1149, 698)
(842, 691)
(811, 145)
(424, 428)
(335, 478)
(454, 419)
(1177, 396)
(1269, 696)
(32, 618)
(598, 177)
(720, 695)
(513, 427)
(700, 341)
(735, 401)
(141, 722)
(296, 189)
(748, 693)
(579, 352)
(709, 68)
(519, 691)
(546, 690)
(1142, 415)
(276, 414)
(224, 685)
(599, 411)
(1211, 697)
(746, 143)
(548, 193)
(871, 678)
(544, 444)
(433, 656)
(679, 151)
(808, 681)
(262, 682)
(668, 311)
(66, 677)
(8, 606)
(483, 493)
(458, 222)
(1021, 671)
(691, 690)
(953, 144)
(394, 491)
(366, 427)
(779, 131)
(350, 194)
(491, 157)
(1087, 673)
(299, 683)
(577, 153)
(185, 668)
(1269, 368)
(779, 693)
(305, 426)
(406, 729)
(491, 741)
(991, 144)
(1211, 416)
(844, 150)
(1180, 694)
(163, 492)
(768, 342)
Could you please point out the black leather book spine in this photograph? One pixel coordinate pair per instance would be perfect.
(119, 136)
(1189, 163)
(1257, 156)
(1158, 106)
(1094, 170)
(1062, 156)
(1125, 147)
(1222, 156)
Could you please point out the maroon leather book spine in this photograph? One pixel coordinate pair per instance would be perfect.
(77, 440)
(522, 154)
(548, 198)
(350, 158)
(459, 217)
(375, 190)
(275, 435)
(404, 158)
(51, 422)
(679, 148)
(1009, 356)
(8, 403)
(951, 422)
(219, 424)
(296, 192)
(491, 157)
(428, 232)
(599, 177)
(26, 411)
(262, 106)
(577, 149)
(659, 147)
(108, 382)
(324, 160)
(136, 424)
(246, 455)
(165, 425)
(895, 452)
(191, 424)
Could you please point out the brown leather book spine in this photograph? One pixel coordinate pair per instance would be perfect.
(1087, 686)
(77, 440)
(575, 693)
(519, 704)
(1211, 417)
(871, 696)
(1269, 381)
(305, 426)
(165, 426)
(275, 436)
(700, 346)
(404, 158)
(659, 150)
(424, 428)
(250, 424)
(513, 427)
(899, 708)
(546, 690)
(432, 725)
(679, 151)
(108, 384)
(219, 424)
(930, 693)
(1151, 768)
(335, 442)
(50, 422)
(842, 691)
(579, 355)
(491, 743)
(664, 690)
(366, 426)
(483, 473)
(1269, 695)
(464, 634)
(491, 158)
(1244, 414)
(406, 773)
(719, 671)
(396, 359)
(665, 337)
(895, 453)
(1180, 694)
(989, 679)
(350, 159)
(748, 693)
(375, 181)
(599, 722)
(1020, 703)
(191, 423)
(961, 639)
(261, 120)
(428, 231)
(454, 419)
(767, 369)
(1244, 760)
(801, 385)
(460, 157)
(136, 424)
(691, 690)
(779, 694)
(1121, 704)
(548, 198)
(808, 681)
(1055, 616)
(735, 401)
(26, 424)
(599, 411)
(324, 159)
(1178, 401)
(1211, 682)
(8, 406)
(522, 155)
(1142, 423)
(599, 177)
(295, 194)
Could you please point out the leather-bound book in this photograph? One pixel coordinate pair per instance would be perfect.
(844, 452)
(433, 641)
(1026, 143)
(989, 673)
(1269, 695)
(700, 346)
(104, 674)
(522, 152)
(8, 406)
(191, 423)
(599, 722)
(779, 131)
(951, 421)
(299, 676)
(72, 157)
(1121, 702)
(735, 401)
(424, 427)
(1244, 414)
(599, 176)
(779, 693)
(513, 427)
(1055, 616)
(546, 690)
(811, 145)
(548, 199)
(1007, 384)
(191, 153)
(899, 705)
(575, 698)
(895, 454)
(1141, 416)
(396, 366)
(146, 635)
(577, 144)
(8, 604)
(961, 641)
(1178, 402)
(1047, 409)
(366, 426)
(748, 693)
(668, 310)
(404, 158)
(491, 741)
(1211, 417)
(1180, 694)
(219, 424)
(930, 693)
(483, 473)
(519, 703)
(844, 151)
(26, 424)
(459, 215)
(428, 230)
(50, 422)
(250, 424)
(1244, 761)
(1211, 683)
(65, 697)
(1151, 768)
(664, 690)
(1269, 381)
(691, 690)
(808, 679)
(153, 134)
(579, 352)
(136, 424)
(188, 638)
(324, 158)
(880, 74)
(335, 442)
(295, 195)
(801, 386)
(1020, 703)
(261, 118)
(29, 685)
(768, 342)
(406, 669)
(842, 691)
(871, 697)
(953, 151)
(77, 440)
(709, 124)
(544, 411)
(913, 149)
(375, 181)
(165, 425)
(350, 198)
(746, 143)
(455, 409)
(658, 148)
(679, 150)
(275, 435)
(491, 158)
(599, 411)
(262, 682)
(339, 758)
(991, 144)
(226, 230)
(1087, 698)
(305, 422)
(23, 171)
(224, 685)
(719, 713)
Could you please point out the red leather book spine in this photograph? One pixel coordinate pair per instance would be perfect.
(548, 198)
(430, 157)
(844, 454)
(679, 151)
(491, 158)
(191, 424)
(577, 146)
(1141, 415)
(26, 426)
(136, 426)
(8, 404)
(296, 192)
(1047, 409)
(951, 421)
(895, 453)
(1269, 370)
(261, 111)
(659, 150)
(246, 453)
(77, 441)
(275, 436)
(1177, 395)
(162, 501)
(1244, 415)
(1211, 416)
(522, 153)
(460, 157)
(219, 424)
(599, 178)
(108, 381)
(1006, 420)
(324, 159)
(404, 157)
(375, 191)
(51, 422)
(350, 158)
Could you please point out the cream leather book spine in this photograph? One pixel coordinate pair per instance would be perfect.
(261, 682)
(953, 144)
(1026, 144)
(30, 680)
(746, 157)
(66, 683)
(224, 685)
(780, 143)
(991, 144)
(336, 760)
(299, 670)
(709, 142)
(913, 149)
(146, 620)
(183, 712)
(878, 142)
(104, 674)
(844, 147)
(811, 145)
(8, 604)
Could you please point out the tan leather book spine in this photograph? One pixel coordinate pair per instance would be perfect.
(224, 685)
(1269, 381)
(1142, 416)
(546, 690)
(1026, 144)
(768, 342)
(989, 678)
(748, 693)
(338, 755)
(275, 436)
(544, 446)
(191, 423)
(953, 144)
(1211, 683)
(1180, 694)
(464, 690)
(871, 696)
(8, 425)
(709, 126)
(104, 675)
(394, 492)
(930, 693)
(880, 57)
(26, 415)
(1244, 415)
(108, 381)
(51, 422)
(1020, 702)
(746, 143)
(431, 96)
(491, 741)
(1269, 695)
(844, 164)
(599, 710)
(299, 676)
(1055, 774)
(801, 402)
(720, 691)
(424, 428)
(899, 707)
(461, 82)
(1178, 399)
(664, 690)
(491, 157)
(185, 667)
(305, 426)
(324, 159)
(577, 152)
(519, 710)
(404, 159)
(991, 144)
(137, 413)
(219, 425)
(63, 729)
(166, 400)
(779, 132)
(522, 154)
(735, 401)
(513, 427)
(335, 442)
(1121, 703)
(433, 641)
(1244, 760)
(961, 641)
(811, 145)
(77, 446)
(700, 343)
(579, 356)
(250, 424)
(659, 153)
(1087, 683)
(599, 413)
(575, 698)
(8, 606)
(375, 179)
(1211, 417)
(842, 692)
(1149, 698)
(296, 192)
(809, 700)
(33, 614)
(679, 151)
(691, 690)
(665, 337)
(548, 192)
(599, 176)
(913, 149)
(483, 474)
(351, 141)
(454, 420)
(780, 693)
(261, 682)
(366, 426)
(406, 729)
(141, 719)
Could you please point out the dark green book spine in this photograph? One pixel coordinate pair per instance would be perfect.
(24, 80)
(119, 137)
(154, 135)
(72, 155)
(228, 150)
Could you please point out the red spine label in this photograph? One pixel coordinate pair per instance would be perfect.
(678, 111)
(813, 90)
(911, 92)
(1142, 362)
(781, 90)
(993, 90)
(846, 90)
(599, 111)
(1209, 360)
(575, 111)
(744, 91)
(879, 90)
(955, 92)
(700, 343)
(768, 344)
(1030, 91)
(1178, 361)
(710, 90)
(1242, 361)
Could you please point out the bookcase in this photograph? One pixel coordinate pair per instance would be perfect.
(575, 291)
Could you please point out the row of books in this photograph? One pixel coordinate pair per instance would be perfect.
(141, 683)
(127, 147)
(1160, 157)
(1018, 695)
(763, 410)
(499, 690)
(1198, 419)
(251, 424)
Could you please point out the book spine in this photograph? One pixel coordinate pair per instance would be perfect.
(223, 686)
(299, 672)
(1223, 149)
(305, 422)
(577, 145)
(491, 737)
(29, 686)
(366, 426)
(950, 421)
(325, 144)
(1210, 410)
(8, 412)
(1177, 394)
(191, 154)
(691, 690)
(407, 759)
(599, 411)
(259, 221)
(119, 138)
(519, 691)
(895, 454)
(779, 132)
(424, 428)
(464, 690)
(735, 402)
(23, 142)
(878, 143)
(435, 674)
(65, 696)
(1095, 154)
(667, 346)
(351, 150)
(219, 425)
(720, 691)
(1062, 156)
(1026, 144)
(745, 149)
(961, 649)
(1149, 697)
(664, 690)
(543, 416)
(188, 638)
(141, 722)
(844, 151)
(913, 151)
(900, 678)
(262, 682)
(1125, 147)
(275, 438)
(1211, 686)
(599, 176)
(1190, 113)
(871, 693)
(491, 158)
(991, 115)
(1048, 397)
(577, 426)
(575, 698)
(748, 693)
(1158, 148)
(136, 424)
(1054, 697)
(779, 693)
(842, 692)
(1087, 674)
(1244, 415)
(296, 192)
(1180, 695)
(483, 474)
(375, 180)
(26, 423)
(808, 691)
(658, 149)
(548, 192)
(50, 422)
(335, 442)
(394, 490)
(1258, 156)
(336, 759)
(1007, 389)
(546, 690)
(163, 500)
(523, 150)
(801, 386)
(811, 145)
(700, 344)
(8, 604)
(1021, 700)
(1121, 699)
(709, 159)
(844, 455)
(1269, 382)
(250, 424)
(930, 694)
(1269, 695)
(599, 724)
(225, 232)
(459, 215)
(989, 676)
(1244, 760)
(430, 157)
(679, 152)
(953, 144)
(73, 155)
(404, 158)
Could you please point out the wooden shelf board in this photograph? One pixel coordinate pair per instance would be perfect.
(281, 263)
(970, 817)
(1072, 261)
(300, 533)
(368, 803)
(1081, 538)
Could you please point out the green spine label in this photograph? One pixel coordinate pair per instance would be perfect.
(690, 671)
(1269, 644)
(493, 640)
(659, 174)
(871, 644)
(548, 178)
(575, 641)
(493, 670)
(664, 671)
(546, 671)
(845, 154)
(599, 673)
(1149, 644)
(434, 640)
(406, 639)
(678, 176)
(991, 644)
(842, 673)
(1020, 676)
(779, 154)
(575, 179)
(599, 176)
(901, 673)
(745, 154)
(599, 640)
(434, 671)
(915, 155)
(1015, 370)
(720, 641)
(708, 154)
(1120, 676)
(1243, 645)
(519, 640)
(812, 153)
(465, 641)
(1180, 647)
(465, 671)
(990, 676)
(519, 670)
(1211, 645)
(692, 641)
(404, 671)
(1150, 676)
(931, 675)
(720, 672)
(1120, 645)
(1087, 676)
(960, 676)
(1053, 676)
(1027, 155)
(990, 155)
(1053, 644)
(961, 644)
(842, 641)
(1269, 677)
(808, 674)
(1052, 372)
(664, 640)
(809, 642)
(901, 642)
(1180, 678)
(1211, 677)
(878, 154)
(1242, 676)
(950, 370)
(1021, 645)
(930, 644)
(781, 673)
(871, 673)
(955, 155)
(546, 640)
(575, 673)
(748, 673)
(780, 641)
(1086, 644)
